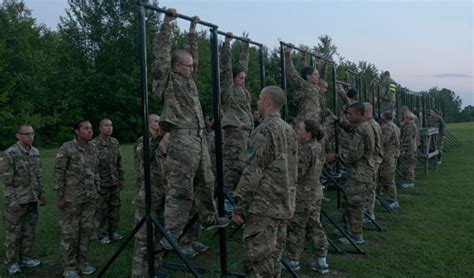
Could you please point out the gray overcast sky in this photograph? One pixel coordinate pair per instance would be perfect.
(422, 43)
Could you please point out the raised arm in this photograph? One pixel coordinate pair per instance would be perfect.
(291, 72)
(192, 46)
(244, 56)
(225, 65)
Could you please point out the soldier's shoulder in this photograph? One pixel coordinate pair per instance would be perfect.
(114, 141)
(12, 150)
(34, 150)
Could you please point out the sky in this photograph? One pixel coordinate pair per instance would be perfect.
(423, 44)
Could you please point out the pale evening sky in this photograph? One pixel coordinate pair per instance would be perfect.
(422, 43)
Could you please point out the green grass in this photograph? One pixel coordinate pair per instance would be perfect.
(430, 236)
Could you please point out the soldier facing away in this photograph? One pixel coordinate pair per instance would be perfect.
(77, 182)
(23, 181)
(190, 179)
(408, 147)
(435, 120)
(111, 183)
(265, 196)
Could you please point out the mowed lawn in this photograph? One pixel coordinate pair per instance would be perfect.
(431, 235)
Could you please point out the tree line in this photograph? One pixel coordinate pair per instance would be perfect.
(89, 69)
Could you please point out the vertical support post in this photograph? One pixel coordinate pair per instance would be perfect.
(334, 98)
(423, 112)
(373, 97)
(365, 90)
(146, 141)
(283, 76)
(378, 98)
(218, 140)
(262, 67)
(397, 106)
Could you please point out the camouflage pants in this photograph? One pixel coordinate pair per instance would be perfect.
(139, 259)
(20, 228)
(386, 184)
(369, 205)
(306, 223)
(190, 183)
(108, 210)
(234, 150)
(353, 205)
(407, 163)
(77, 226)
(264, 241)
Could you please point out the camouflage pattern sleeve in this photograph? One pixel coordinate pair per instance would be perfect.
(192, 48)
(356, 149)
(120, 166)
(258, 153)
(39, 177)
(162, 63)
(304, 161)
(441, 126)
(9, 192)
(96, 170)
(292, 73)
(244, 57)
(60, 165)
(343, 98)
(226, 73)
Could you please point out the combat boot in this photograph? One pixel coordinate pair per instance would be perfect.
(116, 236)
(218, 222)
(294, 265)
(29, 262)
(346, 241)
(188, 251)
(320, 265)
(200, 247)
(71, 274)
(13, 269)
(87, 269)
(104, 240)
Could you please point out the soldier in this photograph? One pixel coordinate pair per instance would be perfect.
(387, 92)
(265, 196)
(360, 162)
(77, 182)
(391, 151)
(158, 150)
(111, 183)
(347, 99)
(309, 195)
(23, 182)
(190, 179)
(435, 120)
(237, 121)
(408, 147)
(404, 110)
(378, 157)
(307, 94)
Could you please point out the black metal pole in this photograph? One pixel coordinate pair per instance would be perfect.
(373, 97)
(397, 106)
(240, 38)
(262, 67)
(283, 75)
(218, 141)
(423, 109)
(334, 98)
(378, 99)
(178, 15)
(146, 140)
(365, 91)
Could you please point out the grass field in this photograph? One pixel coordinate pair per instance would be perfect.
(432, 235)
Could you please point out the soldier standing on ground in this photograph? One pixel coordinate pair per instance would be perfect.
(435, 120)
(408, 147)
(23, 181)
(265, 196)
(111, 183)
(391, 152)
(309, 196)
(237, 122)
(77, 182)
(360, 161)
(190, 186)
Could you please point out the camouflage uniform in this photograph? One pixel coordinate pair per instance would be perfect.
(77, 181)
(158, 194)
(190, 179)
(387, 93)
(307, 95)
(344, 135)
(24, 186)
(438, 122)
(391, 151)
(309, 194)
(360, 161)
(407, 161)
(111, 175)
(265, 195)
(378, 157)
(237, 122)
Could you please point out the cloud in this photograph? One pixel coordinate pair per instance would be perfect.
(451, 75)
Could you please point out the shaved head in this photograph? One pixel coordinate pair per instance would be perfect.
(179, 56)
(276, 95)
(368, 110)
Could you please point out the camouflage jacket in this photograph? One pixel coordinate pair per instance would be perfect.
(110, 161)
(23, 178)
(378, 150)
(438, 123)
(76, 172)
(268, 183)
(177, 95)
(359, 157)
(391, 141)
(310, 165)
(235, 100)
(307, 95)
(408, 138)
(157, 162)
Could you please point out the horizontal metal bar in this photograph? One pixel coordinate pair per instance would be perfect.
(309, 51)
(342, 83)
(178, 15)
(240, 38)
(353, 72)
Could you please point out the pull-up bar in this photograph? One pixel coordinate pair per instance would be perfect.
(240, 38)
(178, 15)
(306, 51)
